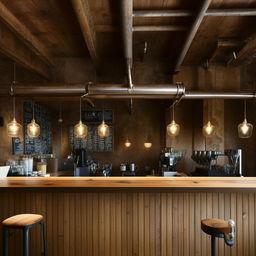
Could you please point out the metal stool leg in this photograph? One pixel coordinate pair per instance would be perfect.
(25, 241)
(213, 246)
(43, 239)
(5, 241)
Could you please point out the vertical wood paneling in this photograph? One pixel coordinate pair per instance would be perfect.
(132, 224)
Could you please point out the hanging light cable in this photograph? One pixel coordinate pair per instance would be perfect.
(245, 129)
(13, 128)
(208, 128)
(33, 129)
(80, 129)
(103, 128)
(173, 129)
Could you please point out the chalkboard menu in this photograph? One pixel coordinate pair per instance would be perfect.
(96, 116)
(43, 143)
(93, 142)
(17, 146)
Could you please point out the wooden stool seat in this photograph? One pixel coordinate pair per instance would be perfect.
(22, 220)
(215, 226)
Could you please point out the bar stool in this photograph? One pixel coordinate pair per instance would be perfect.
(221, 229)
(24, 222)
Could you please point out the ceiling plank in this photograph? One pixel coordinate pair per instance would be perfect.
(13, 48)
(246, 52)
(23, 33)
(192, 32)
(83, 13)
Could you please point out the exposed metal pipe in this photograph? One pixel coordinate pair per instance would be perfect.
(231, 12)
(159, 28)
(187, 13)
(219, 95)
(129, 75)
(127, 8)
(198, 19)
(120, 91)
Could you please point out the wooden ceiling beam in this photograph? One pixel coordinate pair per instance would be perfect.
(23, 33)
(246, 52)
(13, 48)
(159, 28)
(187, 13)
(224, 43)
(192, 32)
(84, 16)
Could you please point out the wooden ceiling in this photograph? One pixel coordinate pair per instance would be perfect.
(35, 32)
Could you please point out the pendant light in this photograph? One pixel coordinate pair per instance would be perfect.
(208, 128)
(33, 129)
(103, 128)
(80, 129)
(60, 120)
(245, 129)
(127, 143)
(173, 129)
(13, 128)
(148, 143)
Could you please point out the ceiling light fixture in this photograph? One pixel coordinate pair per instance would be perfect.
(173, 129)
(80, 129)
(13, 128)
(33, 129)
(245, 129)
(103, 128)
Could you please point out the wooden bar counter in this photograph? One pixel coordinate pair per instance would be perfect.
(132, 215)
(183, 183)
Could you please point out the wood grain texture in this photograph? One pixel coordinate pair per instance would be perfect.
(131, 223)
(183, 183)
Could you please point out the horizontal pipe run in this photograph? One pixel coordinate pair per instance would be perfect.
(159, 28)
(218, 95)
(121, 91)
(187, 13)
(163, 13)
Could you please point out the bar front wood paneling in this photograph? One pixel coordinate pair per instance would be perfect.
(182, 183)
(131, 223)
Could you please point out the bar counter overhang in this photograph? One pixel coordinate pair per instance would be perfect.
(118, 183)
(132, 215)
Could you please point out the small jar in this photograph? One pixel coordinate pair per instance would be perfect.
(41, 167)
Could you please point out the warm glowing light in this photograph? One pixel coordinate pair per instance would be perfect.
(13, 128)
(33, 129)
(127, 143)
(245, 129)
(147, 144)
(208, 129)
(80, 130)
(103, 129)
(173, 129)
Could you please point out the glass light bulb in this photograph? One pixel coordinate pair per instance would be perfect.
(103, 129)
(208, 129)
(127, 143)
(173, 129)
(33, 129)
(80, 130)
(147, 144)
(13, 128)
(245, 129)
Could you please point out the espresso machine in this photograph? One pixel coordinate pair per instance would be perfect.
(82, 162)
(208, 161)
(169, 158)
